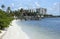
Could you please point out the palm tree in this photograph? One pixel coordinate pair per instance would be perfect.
(2, 6)
(21, 10)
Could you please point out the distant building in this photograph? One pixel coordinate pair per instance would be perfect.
(41, 11)
(34, 13)
(31, 10)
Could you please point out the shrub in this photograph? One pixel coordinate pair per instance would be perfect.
(5, 19)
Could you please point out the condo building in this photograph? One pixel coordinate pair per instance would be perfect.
(42, 11)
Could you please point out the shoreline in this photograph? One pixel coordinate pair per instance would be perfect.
(2, 34)
(20, 31)
(15, 32)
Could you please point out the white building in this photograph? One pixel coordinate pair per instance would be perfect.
(41, 10)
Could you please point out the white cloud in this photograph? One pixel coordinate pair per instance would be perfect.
(20, 7)
(54, 3)
(12, 4)
(55, 8)
(0, 7)
(23, 7)
(37, 4)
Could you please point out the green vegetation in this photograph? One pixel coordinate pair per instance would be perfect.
(0, 31)
(5, 19)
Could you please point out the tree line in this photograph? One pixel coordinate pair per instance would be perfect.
(5, 18)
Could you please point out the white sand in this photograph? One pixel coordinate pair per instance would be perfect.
(15, 32)
(1, 34)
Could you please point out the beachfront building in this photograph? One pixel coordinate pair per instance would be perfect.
(41, 11)
(31, 10)
(33, 13)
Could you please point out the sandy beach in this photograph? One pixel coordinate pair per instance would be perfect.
(15, 32)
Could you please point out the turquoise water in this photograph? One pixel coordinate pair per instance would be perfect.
(48, 28)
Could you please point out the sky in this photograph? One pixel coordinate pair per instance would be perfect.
(52, 6)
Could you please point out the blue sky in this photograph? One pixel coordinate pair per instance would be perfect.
(53, 6)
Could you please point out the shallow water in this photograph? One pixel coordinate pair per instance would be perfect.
(48, 28)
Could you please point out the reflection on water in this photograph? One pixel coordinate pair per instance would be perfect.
(48, 28)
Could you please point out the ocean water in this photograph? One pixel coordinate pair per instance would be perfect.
(47, 28)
